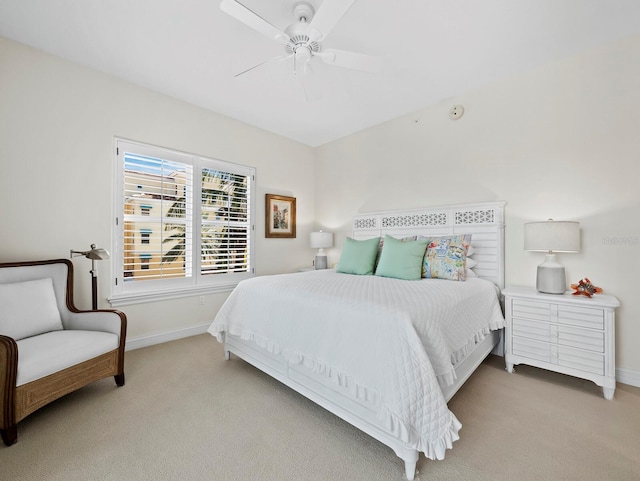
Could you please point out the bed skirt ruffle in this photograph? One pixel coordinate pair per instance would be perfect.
(433, 447)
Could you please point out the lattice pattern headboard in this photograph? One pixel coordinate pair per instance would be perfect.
(485, 223)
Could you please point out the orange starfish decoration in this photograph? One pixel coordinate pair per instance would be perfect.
(584, 287)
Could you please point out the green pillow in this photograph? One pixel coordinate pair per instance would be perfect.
(358, 257)
(401, 259)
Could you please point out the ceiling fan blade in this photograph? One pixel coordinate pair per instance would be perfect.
(275, 59)
(327, 16)
(253, 20)
(356, 61)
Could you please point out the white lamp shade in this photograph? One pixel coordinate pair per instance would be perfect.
(552, 236)
(321, 240)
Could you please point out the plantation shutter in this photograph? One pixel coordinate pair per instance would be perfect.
(225, 228)
(183, 224)
(157, 220)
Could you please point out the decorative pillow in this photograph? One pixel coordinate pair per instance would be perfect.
(381, 245)
(358, 257)
(28, 308)
(446, 257)
(470, 264)
(401, 259)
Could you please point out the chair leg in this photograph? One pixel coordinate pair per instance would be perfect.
(119, 379)
(9, 435)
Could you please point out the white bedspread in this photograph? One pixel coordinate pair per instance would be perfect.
(384, 341)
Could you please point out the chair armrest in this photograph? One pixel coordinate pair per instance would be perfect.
(108, 320)
(8, 376)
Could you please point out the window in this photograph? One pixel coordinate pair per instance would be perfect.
(184, 224)
(145, 236)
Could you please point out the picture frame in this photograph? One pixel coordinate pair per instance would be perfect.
(280, 216)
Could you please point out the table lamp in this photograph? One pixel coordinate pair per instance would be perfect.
(321, 240)
(550, 237)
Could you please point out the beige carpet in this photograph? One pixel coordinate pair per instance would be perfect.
(186, 414)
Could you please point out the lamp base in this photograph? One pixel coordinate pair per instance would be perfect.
(551, 279)
(321, 262)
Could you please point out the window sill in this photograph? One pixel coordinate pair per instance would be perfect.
(129, 298)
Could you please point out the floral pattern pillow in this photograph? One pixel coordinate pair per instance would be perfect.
(446, 257)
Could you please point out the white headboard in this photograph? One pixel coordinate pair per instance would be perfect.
(484, 221)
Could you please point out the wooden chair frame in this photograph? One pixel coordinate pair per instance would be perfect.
(16, 403)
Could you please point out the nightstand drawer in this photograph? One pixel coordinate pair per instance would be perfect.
(536, 310)
(581, 316)
(541, 331)
(560, 313)
(524, 347)
(589, 339)
(581, 338)
(582, 360)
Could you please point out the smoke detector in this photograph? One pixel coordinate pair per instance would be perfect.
(456, 112)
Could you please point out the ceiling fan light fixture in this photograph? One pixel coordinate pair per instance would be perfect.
(298, 43)
(299, 37)
(303, 53)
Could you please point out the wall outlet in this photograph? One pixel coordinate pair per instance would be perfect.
(201, 300)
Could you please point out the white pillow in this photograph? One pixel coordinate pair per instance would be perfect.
(470, 264)
(28, 308)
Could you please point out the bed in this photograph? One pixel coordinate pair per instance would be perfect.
(384, 354)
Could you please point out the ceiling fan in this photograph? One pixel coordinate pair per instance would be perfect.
(302, 39)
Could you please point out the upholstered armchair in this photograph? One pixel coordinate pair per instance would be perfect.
(49, 348)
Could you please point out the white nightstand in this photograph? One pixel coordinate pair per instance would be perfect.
(569, 334)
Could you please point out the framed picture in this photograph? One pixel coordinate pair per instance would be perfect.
(280, 216)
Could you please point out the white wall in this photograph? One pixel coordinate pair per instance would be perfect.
(58, 121)
(559, 142)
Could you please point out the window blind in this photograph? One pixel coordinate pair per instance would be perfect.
(161, 188)
(184, 220)
(225, 227)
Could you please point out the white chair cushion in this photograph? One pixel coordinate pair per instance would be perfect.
(39, 356)
(28, 308)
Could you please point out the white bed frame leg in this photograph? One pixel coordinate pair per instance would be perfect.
(227, 355)
(410, 466)
(410, 469)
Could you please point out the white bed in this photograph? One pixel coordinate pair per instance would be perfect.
(371, 349)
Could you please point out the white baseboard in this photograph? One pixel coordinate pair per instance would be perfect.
(159, 338)
(627, 376)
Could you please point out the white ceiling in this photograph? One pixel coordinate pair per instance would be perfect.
(432, 50)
